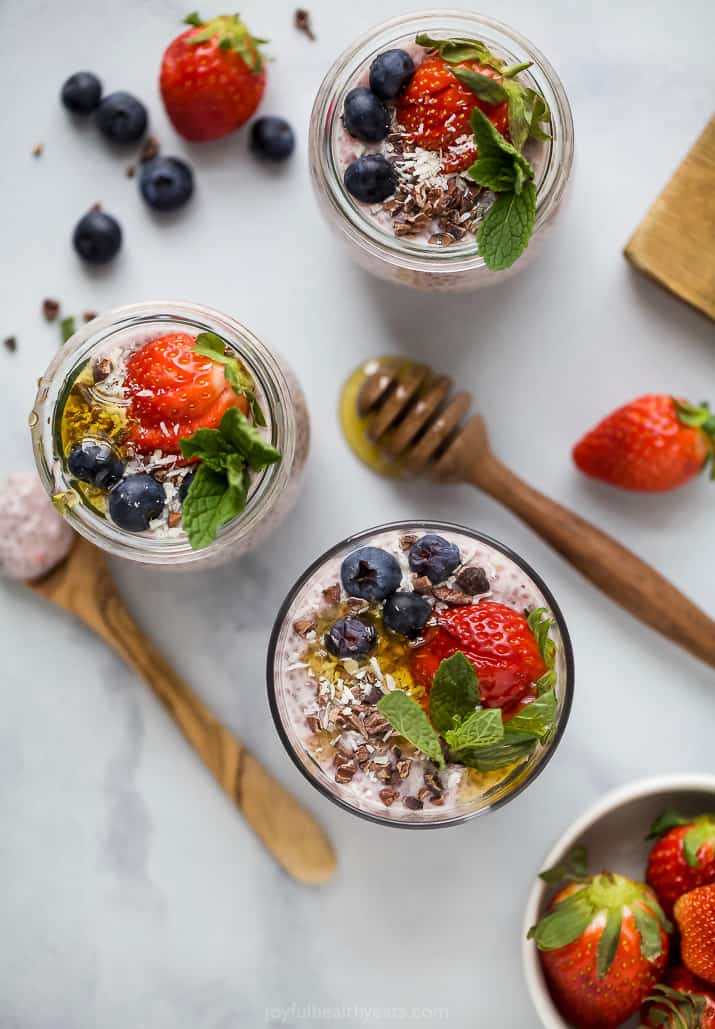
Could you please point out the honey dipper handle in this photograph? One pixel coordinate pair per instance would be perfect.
(287, 830)
(624, 577)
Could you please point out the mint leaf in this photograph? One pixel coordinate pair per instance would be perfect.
(490, 141)
(515, 69)
(493, 172)
(506, 229)
(209, 445)
(541, 623)
(247, 440)
(538, 717)
(519, 118)
(407, 717)
(454, 693)
(210, 503)
(486, 88)
(67, 328)
(506, 752)
(479, 729)
(208, 344)
(459, 49)
(539, 112)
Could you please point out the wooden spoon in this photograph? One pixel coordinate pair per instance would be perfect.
(400, 418)
(82, 584)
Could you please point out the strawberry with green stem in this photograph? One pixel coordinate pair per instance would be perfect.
(683, 856)
(212, 77)
(652, 444)
(603, 944)
(682, 1001)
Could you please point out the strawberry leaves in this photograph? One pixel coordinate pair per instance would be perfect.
(702, 831)
(219, 489)
(231, 34)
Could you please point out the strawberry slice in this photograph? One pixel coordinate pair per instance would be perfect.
(436, 107)
(173, 392)
(498, 642)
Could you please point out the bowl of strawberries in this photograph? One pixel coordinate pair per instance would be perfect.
(620, 926)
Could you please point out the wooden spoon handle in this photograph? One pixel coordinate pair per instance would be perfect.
(287, 830)
(617, 571)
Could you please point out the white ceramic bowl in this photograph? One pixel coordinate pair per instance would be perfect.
(613, 829)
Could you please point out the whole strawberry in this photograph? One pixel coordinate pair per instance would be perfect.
(682, 1001)
(683, 857)
(695, 915)
(603, 946)
(212, 77)
(653, 444)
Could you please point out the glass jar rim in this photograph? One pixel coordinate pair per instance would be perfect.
(261, 363)
(358, 227)
(431, 526)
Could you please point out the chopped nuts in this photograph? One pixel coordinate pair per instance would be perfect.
(313, 723)
(455, 598)
(373, 695)
(472, 580)
(407, 541)
(413, 803)
(331, 595)
(388, 797)
(344, 773)
(50, 309)
(403, 767)
(421, 584)
(376, 725)
(173, 519)
(303, 626)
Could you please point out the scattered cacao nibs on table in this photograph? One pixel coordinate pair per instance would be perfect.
(10, 344)
(89, 316)
(303, 23)
(472, 580)
(50, 309)
(149, 150)
(37, 149)
(130, 172)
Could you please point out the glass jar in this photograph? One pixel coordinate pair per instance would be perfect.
(300, 671)
(455, 268)
(273, 491)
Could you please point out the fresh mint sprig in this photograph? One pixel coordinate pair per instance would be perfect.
(541, 624)
(476, 737)
(208, 344)
(219, 488)
(507, 226)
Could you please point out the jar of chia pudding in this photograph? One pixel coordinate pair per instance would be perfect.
(168, 434)
(391, 169)
(420, 674)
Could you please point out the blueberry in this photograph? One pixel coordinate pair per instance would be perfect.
(350, 637)
(166, 183)
(81, 92)
(370, 573)
(186, 486)
(121, 118)
(272, 139)
(371, 178)
(136, 501)
(94, 461)
(97, 237)
(434, 557)
(390, 72)
(406, 613)
(365, 116)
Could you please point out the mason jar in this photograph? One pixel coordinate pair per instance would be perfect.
(272, 491)
(374, 246)
(305, 682)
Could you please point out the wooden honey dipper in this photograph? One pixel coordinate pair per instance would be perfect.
(402, 419)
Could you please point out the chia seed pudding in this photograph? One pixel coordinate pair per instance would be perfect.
(170, 437)
(432, 598)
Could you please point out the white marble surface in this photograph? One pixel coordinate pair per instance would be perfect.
(132, 893)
